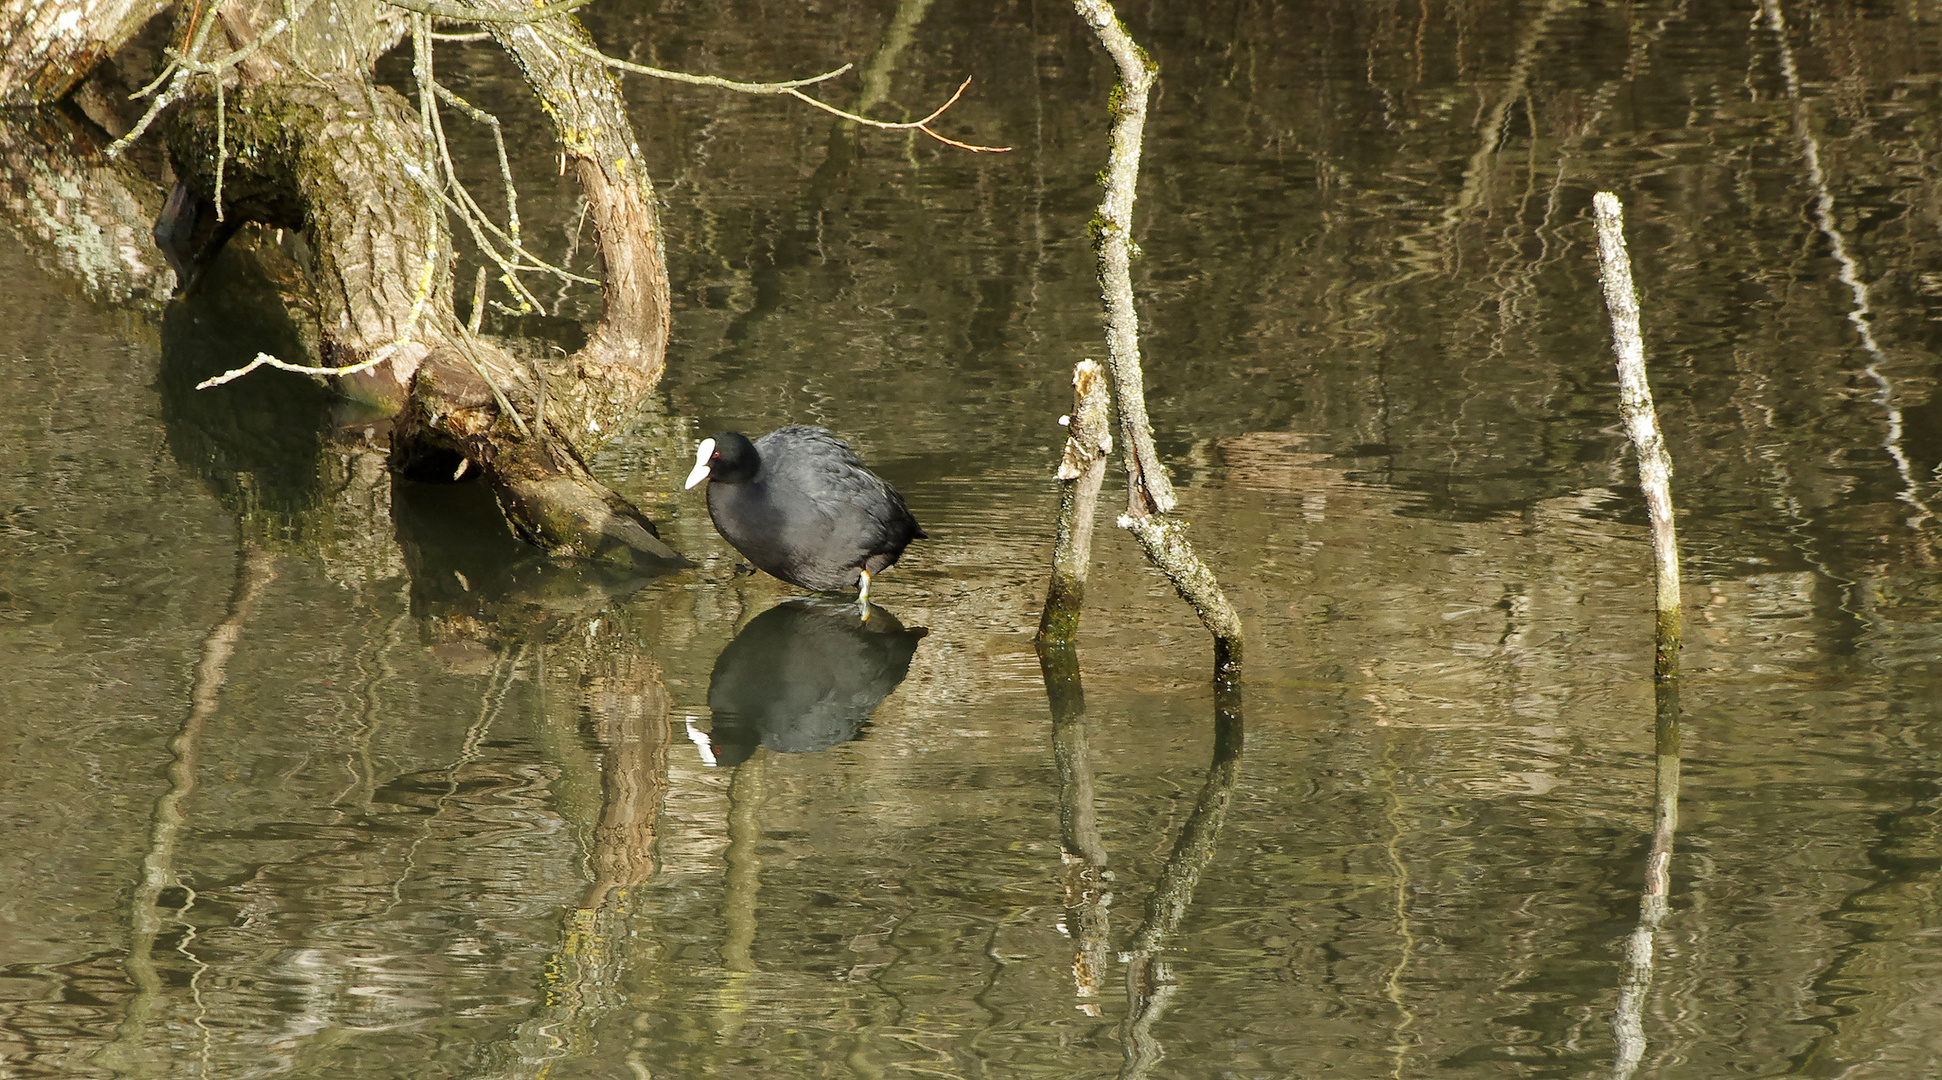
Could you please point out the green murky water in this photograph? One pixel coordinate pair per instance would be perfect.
(313, 772)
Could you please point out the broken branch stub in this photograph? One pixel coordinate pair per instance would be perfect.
(1082, 471)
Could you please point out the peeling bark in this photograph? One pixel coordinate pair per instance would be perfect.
(47, 49)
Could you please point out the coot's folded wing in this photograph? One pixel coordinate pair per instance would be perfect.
(824, 470)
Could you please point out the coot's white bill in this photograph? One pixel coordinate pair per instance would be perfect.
(700, 472)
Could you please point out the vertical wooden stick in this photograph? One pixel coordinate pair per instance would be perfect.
(1082, 470)
(1655, 477)
(1641, 423)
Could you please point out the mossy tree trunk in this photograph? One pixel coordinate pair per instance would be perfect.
(300, 137)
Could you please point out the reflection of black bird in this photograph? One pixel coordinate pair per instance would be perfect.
(800, 505)
(804, 676)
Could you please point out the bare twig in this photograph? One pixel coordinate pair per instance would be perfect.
(716, 81)
(790, 88)
(426, 279)
(1150, 490)
(498, 143)
(222, 146)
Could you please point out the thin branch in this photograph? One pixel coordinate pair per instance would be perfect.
(222, 146)
(1082, 470)
(790, 89)
(1149, 490)
(696, 80)
(481, 116)
(478, 223)
(461, 13)
(426, 279)
(1149, 495)
(465, 207)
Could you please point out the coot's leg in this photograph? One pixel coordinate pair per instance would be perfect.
(863, 593)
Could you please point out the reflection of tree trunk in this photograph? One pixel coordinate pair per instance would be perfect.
(1087, 901)
(623, 699)
(84, 219)
(254, 573)
(745, 791)
(630, 708)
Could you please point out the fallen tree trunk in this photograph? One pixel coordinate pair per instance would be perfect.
(276, 119)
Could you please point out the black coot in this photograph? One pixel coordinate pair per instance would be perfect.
(801, 505)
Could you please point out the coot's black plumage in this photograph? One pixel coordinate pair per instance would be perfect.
(801, 505)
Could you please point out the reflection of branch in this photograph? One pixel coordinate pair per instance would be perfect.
(1149, 979)
(253, 575)
(624, 700)
(1195, 847)
(1859, 313)
(1150, 987)
(874, 78)
(1628, 1021)
(1083, 854)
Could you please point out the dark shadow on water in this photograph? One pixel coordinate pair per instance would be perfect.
(464, 561)
(255, 441)
(804, 676)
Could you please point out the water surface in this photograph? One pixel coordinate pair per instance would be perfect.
(316, 773)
